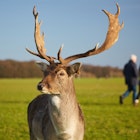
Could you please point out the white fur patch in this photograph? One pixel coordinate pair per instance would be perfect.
(56, 101)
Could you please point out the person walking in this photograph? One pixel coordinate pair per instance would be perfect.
(138, 96)
(131, 79)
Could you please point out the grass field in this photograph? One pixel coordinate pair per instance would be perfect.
(105, 118)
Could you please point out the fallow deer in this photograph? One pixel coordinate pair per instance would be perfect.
(55, 114)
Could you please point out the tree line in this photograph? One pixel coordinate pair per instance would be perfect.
(28, 69)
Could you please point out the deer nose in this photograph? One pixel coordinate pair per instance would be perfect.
(40, 86)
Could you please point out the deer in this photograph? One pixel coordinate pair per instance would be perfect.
(55, 114)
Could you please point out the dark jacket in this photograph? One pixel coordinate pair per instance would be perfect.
(131, 73)
(139, 75)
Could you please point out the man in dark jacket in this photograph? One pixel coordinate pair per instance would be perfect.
(131, 79)
(138, 96)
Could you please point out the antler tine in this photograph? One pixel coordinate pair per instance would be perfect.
(33, 53)
(61, 60)
(111, 38)
(39, 40)
(118, 10)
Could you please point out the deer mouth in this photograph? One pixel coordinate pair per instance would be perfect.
(47, 91)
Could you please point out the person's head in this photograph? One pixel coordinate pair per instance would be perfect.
(133, 58)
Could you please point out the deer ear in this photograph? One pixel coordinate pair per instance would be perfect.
(43, 66)
(74, 68)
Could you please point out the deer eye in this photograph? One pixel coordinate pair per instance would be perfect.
(61, 73)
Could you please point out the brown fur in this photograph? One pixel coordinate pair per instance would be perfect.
(60, 121)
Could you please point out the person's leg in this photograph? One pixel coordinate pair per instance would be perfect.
(127, 92)
(134, 94)
(138, 96)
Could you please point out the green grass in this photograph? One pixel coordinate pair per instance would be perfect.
(105, 118)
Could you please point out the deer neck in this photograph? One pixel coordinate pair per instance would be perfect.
(63, 110)
(65, 100)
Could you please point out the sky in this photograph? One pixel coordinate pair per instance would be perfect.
(79, 25)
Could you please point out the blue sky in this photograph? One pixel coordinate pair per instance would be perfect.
(79, 25)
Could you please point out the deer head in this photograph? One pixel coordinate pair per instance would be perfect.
(56, 114)
(60, 63)
(56, 77)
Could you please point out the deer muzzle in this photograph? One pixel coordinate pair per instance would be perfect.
(46, 88)
(40, 86)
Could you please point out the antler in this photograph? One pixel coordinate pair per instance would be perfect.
(39, 40)
(111, 38)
